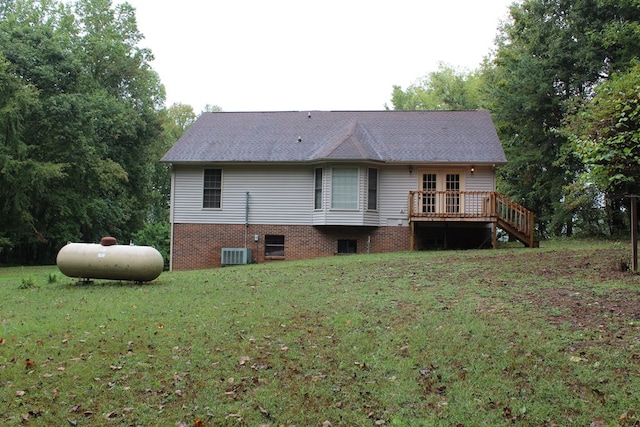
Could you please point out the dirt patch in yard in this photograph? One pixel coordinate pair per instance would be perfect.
(593, 291)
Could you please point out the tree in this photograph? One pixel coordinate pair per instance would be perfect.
(212, 108)
(175, 121)
(605, 136)
(549, 54)
(445, 89)
(84, 162)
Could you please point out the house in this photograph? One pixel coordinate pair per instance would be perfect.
(293, 185)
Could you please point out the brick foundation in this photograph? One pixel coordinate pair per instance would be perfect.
(197, 246)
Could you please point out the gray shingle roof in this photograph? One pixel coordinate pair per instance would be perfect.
(383, 136)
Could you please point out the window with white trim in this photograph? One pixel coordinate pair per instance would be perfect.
(372, 193)
(344, 188)
(318, 189)
(212, 192)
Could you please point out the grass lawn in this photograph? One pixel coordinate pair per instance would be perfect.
(532, 337)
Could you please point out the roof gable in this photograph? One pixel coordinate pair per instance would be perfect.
(381, 136)
(352, 142)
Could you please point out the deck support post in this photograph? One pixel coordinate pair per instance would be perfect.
(532, 238)
(494, 234)
(634, 234)
(413, 236)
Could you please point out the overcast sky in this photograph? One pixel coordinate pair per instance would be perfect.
(283, 55)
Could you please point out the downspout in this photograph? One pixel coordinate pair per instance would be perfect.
(246, 219)
(172, 205)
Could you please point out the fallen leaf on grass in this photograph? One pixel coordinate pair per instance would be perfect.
(264, 412)
(427, 372)
(318, 377)
(236, 416)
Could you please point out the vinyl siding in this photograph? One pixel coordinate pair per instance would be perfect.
(481, 180)
(285, 195)
(282, 195)
(393, 194)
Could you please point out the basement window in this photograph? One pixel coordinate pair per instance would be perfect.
(273, 245)
(347, 246)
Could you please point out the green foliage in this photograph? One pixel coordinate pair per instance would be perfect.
(79, 125)
(157, 235)
(27, 283)
(523, 337)
(445, 89)
(605, 133)
(175, 121)
(212, 108)
(549, 54)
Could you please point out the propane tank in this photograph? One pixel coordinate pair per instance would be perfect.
(110, 261)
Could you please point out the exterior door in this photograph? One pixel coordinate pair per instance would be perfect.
(428, 204)
(440, 192)
(452, 195)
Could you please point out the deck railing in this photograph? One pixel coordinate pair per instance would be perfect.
(450, 204)
(470, 205)
(513, 214)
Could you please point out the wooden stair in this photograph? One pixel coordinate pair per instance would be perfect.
(515, 219)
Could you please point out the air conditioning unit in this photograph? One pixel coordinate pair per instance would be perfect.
(236, 256)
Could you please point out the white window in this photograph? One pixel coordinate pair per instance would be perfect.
(344, 188)
(441, 192)
(212, 193)
(318, 189)
(372, 194)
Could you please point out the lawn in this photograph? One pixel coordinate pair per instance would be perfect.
(530, 337)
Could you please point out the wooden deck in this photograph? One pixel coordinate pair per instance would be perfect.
(474, 206)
